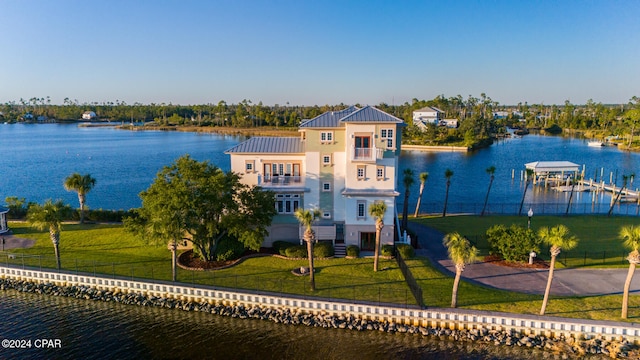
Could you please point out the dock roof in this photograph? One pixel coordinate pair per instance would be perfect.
(552, 166)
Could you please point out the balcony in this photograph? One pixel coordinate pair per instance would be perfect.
(280, 181)
(366, 154)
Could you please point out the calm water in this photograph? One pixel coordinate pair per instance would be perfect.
(98, 330)
(36, 159)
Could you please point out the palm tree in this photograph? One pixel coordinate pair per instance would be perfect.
(614, 201)
(50, 215)
(558, 238)
(526, 185)
(407, 180)
(447, 174)
(631, 237)
(491, 170)
(377, 210)
(423, 179)
(81, 184)
(306, 219)
(461, 253)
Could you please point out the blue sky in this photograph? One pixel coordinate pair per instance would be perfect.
(319, 52)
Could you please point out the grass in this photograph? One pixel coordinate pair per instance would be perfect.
(599, 245)
(111, 251)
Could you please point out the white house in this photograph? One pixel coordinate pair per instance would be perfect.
(427, 115)
(89, 115)
(341, 163)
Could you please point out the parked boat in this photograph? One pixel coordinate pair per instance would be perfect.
(596, 143)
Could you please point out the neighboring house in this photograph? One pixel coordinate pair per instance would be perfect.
(27, 117)
(427, 115)
(89, 115)
(500, 114)
(341, 163)
(450, 123)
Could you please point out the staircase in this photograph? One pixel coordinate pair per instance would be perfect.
(340, 250)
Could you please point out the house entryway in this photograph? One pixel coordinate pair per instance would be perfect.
(367, 241)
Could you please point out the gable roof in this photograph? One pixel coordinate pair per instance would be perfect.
(370, 114)
(429, 109)
(329, 119)
(269, 145)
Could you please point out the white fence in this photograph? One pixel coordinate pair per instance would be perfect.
(433, 317)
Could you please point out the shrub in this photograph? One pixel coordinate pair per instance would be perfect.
(229, 249)
(296, 251)
(279, 247)
(513, 243)
(387, 250)
(406, 251)
(323, 250)
(353, 251)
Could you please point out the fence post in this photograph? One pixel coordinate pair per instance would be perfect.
(604, 256)
(113, 270)
(585, 259)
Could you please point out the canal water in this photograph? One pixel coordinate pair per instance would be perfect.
(36, 158)
(99, 330)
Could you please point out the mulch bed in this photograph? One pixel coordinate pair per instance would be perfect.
(537, 263)
(189, 259)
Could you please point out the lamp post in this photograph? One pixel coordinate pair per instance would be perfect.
(530, 214)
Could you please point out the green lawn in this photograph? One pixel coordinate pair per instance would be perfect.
(599, 245)
(109, 250)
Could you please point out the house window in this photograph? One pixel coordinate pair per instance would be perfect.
(387, 137)
(326, 186)
(380, 172)
(361, 172)
(326, 159)
(287, 203)
(362, 209)
(326, 214)
(326, 137)
(249, 166)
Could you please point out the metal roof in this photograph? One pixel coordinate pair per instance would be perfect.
(429, 109)
(545, 166)
(370, 114)
(269, 145)
(330, 119)
(370, 192)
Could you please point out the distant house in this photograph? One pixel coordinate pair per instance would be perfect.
(450, 123)
(27, 117)
(89, 115)
(427, 115)
(41, 118)
(500, 114)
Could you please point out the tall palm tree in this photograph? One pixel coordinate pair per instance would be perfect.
(447, 174)
(558, 238)
(81, 184)
(491, 170)
(407, 180)
(377, 210)
(423, 179)
(461, 253)
(631, 237)
(306, 219)
(50, 215)
(526, 185)
(615, 200)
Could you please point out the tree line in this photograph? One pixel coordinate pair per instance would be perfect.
(479, 118)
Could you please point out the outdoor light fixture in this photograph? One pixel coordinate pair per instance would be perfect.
(530, 213)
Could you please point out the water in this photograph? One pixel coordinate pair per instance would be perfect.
(36, 159)
(99, 330)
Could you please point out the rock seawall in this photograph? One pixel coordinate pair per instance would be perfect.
(565, 347)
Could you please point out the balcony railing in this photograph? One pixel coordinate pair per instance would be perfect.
(280, 180)
(366, 154)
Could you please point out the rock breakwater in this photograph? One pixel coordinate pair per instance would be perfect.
(563, 348)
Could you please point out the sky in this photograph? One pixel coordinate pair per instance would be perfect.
(319, 52)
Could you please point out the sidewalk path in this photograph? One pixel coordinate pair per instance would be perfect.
(568, 281)
(13, 242)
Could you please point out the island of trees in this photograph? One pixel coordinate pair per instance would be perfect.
(480, 119)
